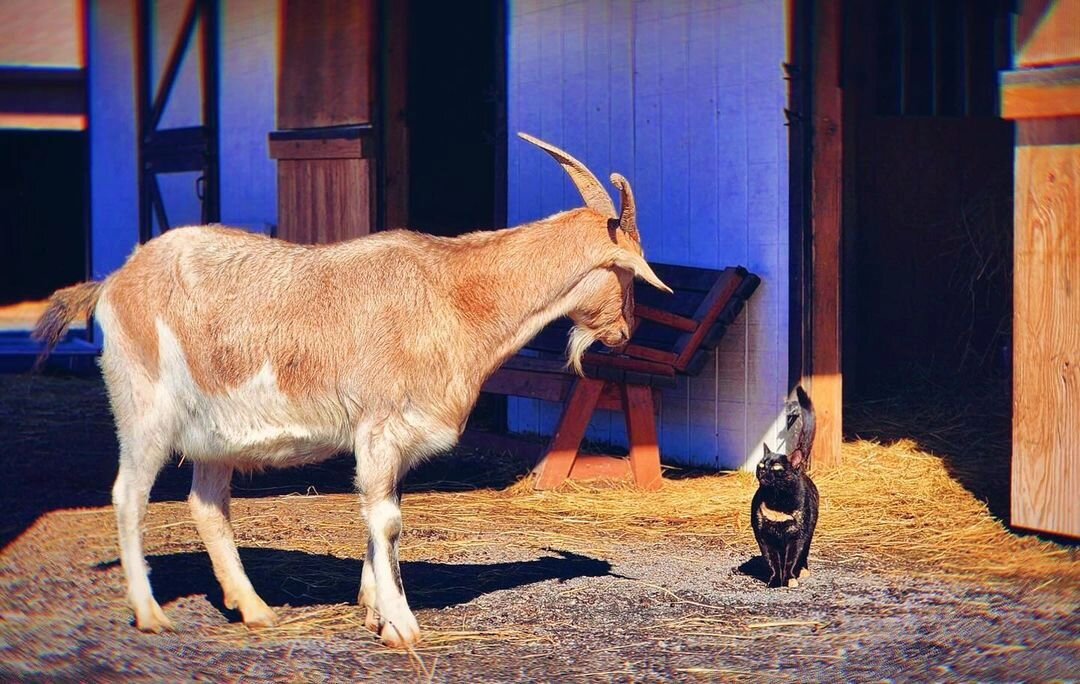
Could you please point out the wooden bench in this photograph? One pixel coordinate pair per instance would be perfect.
(672, 337)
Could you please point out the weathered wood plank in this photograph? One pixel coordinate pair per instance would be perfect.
(327, 63)
(1046, 333)
(324, 200)
(826, 382)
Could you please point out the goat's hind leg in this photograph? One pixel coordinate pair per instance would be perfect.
(140, 462)
(209, 502)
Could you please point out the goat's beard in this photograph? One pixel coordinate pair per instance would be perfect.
(580, 341)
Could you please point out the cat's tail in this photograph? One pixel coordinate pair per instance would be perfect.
(805, 441)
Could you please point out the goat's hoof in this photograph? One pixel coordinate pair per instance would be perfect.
(259, 615)
(153, 620)
(402, 634)
(371, 621)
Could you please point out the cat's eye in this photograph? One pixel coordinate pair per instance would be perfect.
(777, 466)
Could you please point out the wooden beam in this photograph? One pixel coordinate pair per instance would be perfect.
(1046, 268)
(600, 467)
(649, 354)
(666, 318)
(709, 310)
(1041, 93)
(566, 441)
(1048, 33)
(825, 383)
(626, 363)
(331, 148)
(1046, 340)
(641, 429)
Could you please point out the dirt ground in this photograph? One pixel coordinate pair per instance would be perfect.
(516, 600)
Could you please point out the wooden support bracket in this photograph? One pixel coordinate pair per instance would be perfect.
(564, 460)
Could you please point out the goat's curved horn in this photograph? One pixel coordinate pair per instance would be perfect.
(594, 194)
(628, 217)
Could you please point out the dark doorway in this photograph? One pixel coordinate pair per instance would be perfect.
(928, 203)
(43, 217)
(455, 116)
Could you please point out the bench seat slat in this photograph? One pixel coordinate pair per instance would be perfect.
(666, 317)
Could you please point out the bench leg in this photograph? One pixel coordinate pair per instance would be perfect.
(641, 429)
(577, 413)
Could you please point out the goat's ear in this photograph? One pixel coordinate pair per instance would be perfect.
(636, 264)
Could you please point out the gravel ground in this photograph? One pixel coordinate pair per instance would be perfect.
(684, 610)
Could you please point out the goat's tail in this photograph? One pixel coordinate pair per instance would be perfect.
(64, 307)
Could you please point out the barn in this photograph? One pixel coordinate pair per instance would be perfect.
(865, 176)
(876, 201)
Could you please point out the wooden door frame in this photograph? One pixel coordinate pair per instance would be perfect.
(816, 118)
(390, 114)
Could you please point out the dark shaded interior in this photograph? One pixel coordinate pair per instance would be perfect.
(42, 223)
(928, 195)
(453, 115)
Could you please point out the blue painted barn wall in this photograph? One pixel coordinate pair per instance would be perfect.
(248, 77)
(114, 199)
(686, 99)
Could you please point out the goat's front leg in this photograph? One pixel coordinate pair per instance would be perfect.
(377, 474)
(367, 590)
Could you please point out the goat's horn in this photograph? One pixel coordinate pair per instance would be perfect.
(628, 217)
(594, 194)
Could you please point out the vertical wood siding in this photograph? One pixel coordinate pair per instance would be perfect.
(686, 99)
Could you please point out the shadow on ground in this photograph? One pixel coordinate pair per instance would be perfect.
(757, 568)
(58, 450)
(299, 579)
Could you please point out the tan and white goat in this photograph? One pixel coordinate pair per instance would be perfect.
(239, 351)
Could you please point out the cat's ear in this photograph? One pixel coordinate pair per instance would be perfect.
(765, 450)
(796, 458)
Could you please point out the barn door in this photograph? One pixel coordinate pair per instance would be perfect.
(324, 145)
(1042, 94)
(177, 99)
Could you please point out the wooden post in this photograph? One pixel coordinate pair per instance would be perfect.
(566, 441)
(1043, 96)
(641, 430)
(824, 382)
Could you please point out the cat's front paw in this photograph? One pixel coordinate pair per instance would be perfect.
(793, 583)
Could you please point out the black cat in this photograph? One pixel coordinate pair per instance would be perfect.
(784, 511)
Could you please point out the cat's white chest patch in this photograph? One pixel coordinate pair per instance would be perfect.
(775, 516)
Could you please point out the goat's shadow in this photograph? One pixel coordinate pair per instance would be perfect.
(297, 578)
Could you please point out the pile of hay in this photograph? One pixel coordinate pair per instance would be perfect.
(887, 507)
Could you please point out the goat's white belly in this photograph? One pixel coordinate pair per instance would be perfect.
(253, 425)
